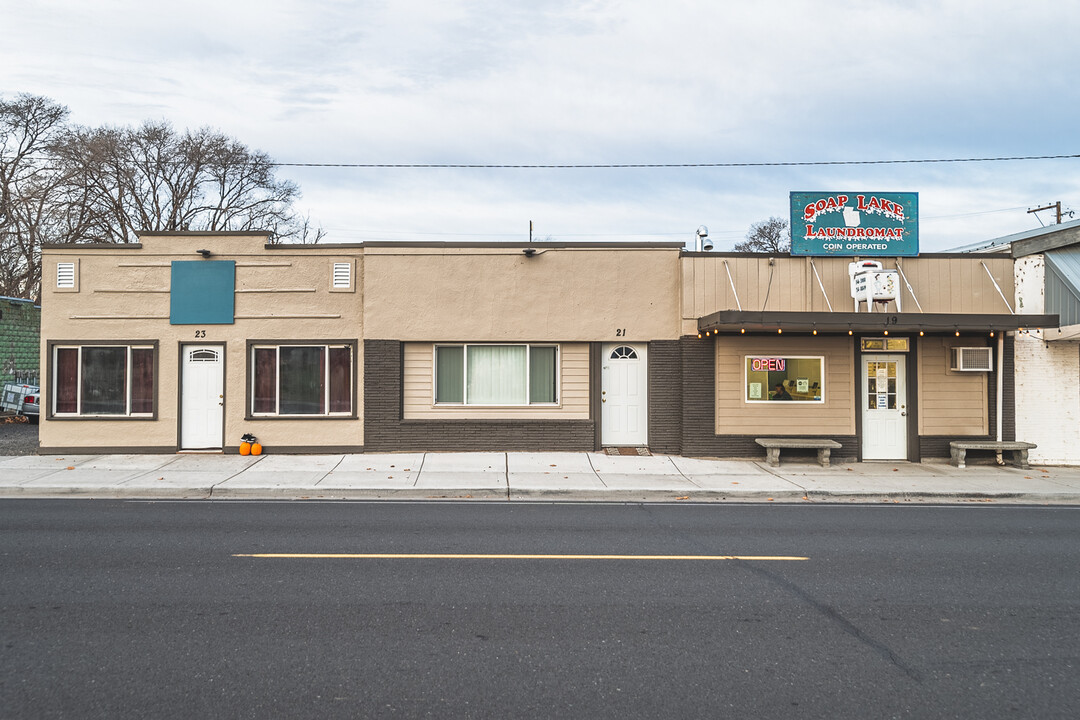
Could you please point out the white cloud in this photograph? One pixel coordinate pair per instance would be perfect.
(583, 82)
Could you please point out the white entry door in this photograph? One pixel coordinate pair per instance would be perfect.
(624, 402)
(202, 405)
(884, 407)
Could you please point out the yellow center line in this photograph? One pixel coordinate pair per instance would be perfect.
(494, 556)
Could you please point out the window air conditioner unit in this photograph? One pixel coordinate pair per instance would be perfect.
(972, 359)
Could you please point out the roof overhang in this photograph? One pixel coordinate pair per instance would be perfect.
(740, 320)
(1066, 332)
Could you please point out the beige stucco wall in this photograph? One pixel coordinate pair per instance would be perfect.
(561, 294)
(736, 416)
(282, 294)
(950, 403)
(418, 389)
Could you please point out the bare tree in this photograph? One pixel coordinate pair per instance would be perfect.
(771, 236)
(61, 184)
(155, 178)
(34, 205)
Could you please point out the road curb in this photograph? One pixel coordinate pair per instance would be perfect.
(487, 494)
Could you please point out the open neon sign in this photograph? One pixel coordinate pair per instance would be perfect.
(768, 364)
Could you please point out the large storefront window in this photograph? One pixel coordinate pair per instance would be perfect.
(301, 380)
(116, 380)
(794, 379)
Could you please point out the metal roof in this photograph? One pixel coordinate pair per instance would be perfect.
(1003, 243)
(19, 300)
(1063, 283)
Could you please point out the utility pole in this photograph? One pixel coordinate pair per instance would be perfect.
(1051, 206)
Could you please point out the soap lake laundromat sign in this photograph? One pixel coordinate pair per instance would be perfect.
(855, 223)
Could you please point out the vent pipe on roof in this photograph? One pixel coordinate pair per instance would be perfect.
(704, 244)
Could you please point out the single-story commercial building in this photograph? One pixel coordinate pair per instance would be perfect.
(186, 341)
(1047, 359)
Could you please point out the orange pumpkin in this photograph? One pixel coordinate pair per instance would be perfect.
(256, 449)
(245, 448)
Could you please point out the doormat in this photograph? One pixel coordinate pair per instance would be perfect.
(642, 451)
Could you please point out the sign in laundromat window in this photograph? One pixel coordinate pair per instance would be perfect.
(771, 378)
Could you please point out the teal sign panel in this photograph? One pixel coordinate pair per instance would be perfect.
(855, 223)
(202, 292)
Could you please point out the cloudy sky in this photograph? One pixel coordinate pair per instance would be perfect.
(573, 82)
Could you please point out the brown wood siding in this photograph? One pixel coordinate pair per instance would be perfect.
(941, 284)
(735, 416)
(418, 392)
(950, 403)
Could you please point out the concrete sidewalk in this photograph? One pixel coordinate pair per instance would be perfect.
(552, 476)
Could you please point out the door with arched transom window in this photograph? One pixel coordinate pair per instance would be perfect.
(624, 401)
(202, 397)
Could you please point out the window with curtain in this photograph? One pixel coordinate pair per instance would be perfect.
(302, 380)
(103, 380)
(496, 374)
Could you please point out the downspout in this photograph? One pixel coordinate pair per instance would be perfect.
(1000, 362)
(1000, 389)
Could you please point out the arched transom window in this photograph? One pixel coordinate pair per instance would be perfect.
(203, 356)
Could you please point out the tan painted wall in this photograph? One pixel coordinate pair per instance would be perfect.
(123, 294)
(735, 416)
(493, 294)
(950, 403)
(418, 389)
(941, 284)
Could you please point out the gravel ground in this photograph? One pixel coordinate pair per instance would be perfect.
(18, 438)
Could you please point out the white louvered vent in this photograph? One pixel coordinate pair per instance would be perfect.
(972, 359)
(343, 275)
(65, 275)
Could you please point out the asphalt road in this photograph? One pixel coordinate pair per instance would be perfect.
(138, 609)
(18, 438)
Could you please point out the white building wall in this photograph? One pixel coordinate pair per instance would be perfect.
(1047, 377)
(1048, 398)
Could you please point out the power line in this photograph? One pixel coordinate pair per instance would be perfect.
(374, 233)
(970, 214)
(625, 166)
(515, 234)
(620, 166)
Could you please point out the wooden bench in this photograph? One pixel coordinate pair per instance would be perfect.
(958, 450)
(773, 446)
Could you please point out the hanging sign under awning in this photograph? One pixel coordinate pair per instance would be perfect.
(853, 223)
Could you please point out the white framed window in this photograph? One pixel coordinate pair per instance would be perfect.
(496, 375)
(792, 378)
(103, 380)
(302, 379)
